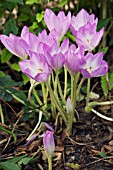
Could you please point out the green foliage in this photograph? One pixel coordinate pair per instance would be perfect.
(15, 67)
(104, 50)
(102, 154)
(5, 56)
(30, 2)
(40, 16)
(16, 1)
(62, 3)
(15, 163)
(105, 85)
(9, 132)
(25, 79)
(103, 23)
(11, 26)
(6, 89)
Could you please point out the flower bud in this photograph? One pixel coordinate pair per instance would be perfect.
(48, 142)
(69, 107)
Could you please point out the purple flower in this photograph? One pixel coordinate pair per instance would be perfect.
(88, 37)
(34, 43)
(36, 67)
(74, 58)
(57, 25)
(80, 20)
(48, 142)
(94, 65)
(55, 55)
(12, 43)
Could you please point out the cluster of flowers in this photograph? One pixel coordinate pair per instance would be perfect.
(47, 53)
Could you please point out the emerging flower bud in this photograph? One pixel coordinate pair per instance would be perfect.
(69, 107)
(48, 142)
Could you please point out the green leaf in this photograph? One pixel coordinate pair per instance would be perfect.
(24, 161)
(25, 79)
(15, 66)
(5, 56)
(9, 132)
(104, 50)
(16, 159)
(23, 17)
(40, 16)
(33, 27)
(11, 26)
(103, 23)
(104, 83)
(62, 3)
(17, 1)
(7, 96)
(2, 94)
(20, 95)
(2, 74)
(102, 154)
(9, 166)
(30, 2)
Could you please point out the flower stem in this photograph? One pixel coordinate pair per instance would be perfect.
(37, 97)
(88, 90)
(57, 103)
(1, 114)
(79, 86)
(44, 95)
(102, 116)
(65, 82)
(49, 163)
(73, 100)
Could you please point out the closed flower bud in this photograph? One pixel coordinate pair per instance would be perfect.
(48, 142)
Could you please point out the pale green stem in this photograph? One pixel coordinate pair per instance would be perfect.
(37, 97)
(16, 98)
(92, 104)
(65, 82)
(79, 86)
(53, 107)
(74, 96)
(1, 114)
(102, 116)
(104, 37)
(37, 125)
(88, 90)
(57, 104)
(44, 95)
(60, 92)
(72, 79)
(49, 163)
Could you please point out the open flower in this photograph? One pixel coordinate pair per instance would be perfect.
(81, 19)
(49, 144)
(12, 43)
(57, 25)
(36, 67)
(88, 37)
(55, 55)
(94, 65)
(74, 58)
(31, 42)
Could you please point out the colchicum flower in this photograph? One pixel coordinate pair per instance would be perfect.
(74, 58)
(12, 43)
(49, 144)
(94, 65)
(88, 37)
(57, 25)
(36, 67)
(81, 19)
(34, 43)
(55, 55)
